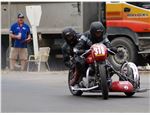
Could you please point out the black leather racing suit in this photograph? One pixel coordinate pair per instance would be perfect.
(67, 51)
(87, 40)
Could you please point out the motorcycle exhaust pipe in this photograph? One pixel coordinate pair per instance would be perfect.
(84, 89)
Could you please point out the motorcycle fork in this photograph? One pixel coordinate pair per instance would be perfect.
(97, 73)
(97, 70)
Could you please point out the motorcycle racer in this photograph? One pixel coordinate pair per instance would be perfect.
(96, 34)
(71, 38)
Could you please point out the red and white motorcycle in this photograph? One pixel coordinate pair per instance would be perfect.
(99, 72)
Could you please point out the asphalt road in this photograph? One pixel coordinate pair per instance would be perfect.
(48, 92)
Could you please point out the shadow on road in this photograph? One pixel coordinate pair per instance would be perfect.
(116, 96)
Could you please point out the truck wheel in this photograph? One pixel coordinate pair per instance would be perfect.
(126, 52)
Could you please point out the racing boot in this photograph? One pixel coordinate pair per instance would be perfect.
(75, 78)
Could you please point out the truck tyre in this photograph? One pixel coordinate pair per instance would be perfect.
(127, 51)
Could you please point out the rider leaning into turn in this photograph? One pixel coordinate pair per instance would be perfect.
(71, 38)
(96, 34)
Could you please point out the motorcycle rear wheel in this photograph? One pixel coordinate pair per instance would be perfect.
(75, 93)
(104, 84)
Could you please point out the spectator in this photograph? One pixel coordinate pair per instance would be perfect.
(20, 36)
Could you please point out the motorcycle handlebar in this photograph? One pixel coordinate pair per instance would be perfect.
(111, 52)
(87, 51)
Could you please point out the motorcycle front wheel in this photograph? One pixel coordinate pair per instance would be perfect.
(73, 92)
(104, 84)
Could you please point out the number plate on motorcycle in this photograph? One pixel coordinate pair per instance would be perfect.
(99, 51)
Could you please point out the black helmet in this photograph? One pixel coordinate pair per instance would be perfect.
(97, 30)
(69, 35)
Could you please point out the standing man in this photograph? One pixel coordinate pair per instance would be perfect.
(20, 36)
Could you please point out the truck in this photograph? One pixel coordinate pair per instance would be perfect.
(128, 27)
(127, 23)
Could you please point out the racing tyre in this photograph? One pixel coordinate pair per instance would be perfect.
(104, 84)
(129, 94)
(75, 93)
(127, 51)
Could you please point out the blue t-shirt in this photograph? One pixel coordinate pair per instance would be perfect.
(24, 30)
